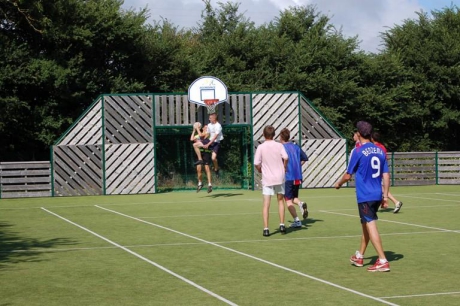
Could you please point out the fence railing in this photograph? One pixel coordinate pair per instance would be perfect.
(25, 179)
(34, 179)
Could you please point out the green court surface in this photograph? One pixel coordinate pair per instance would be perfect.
(188, 248)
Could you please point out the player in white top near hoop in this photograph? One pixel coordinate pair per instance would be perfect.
(216, 136)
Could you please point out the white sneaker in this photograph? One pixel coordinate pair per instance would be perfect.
(296, 224)
(398, 207)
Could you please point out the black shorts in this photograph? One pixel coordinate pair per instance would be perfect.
(368, 211)
(215, 147)
(291, 191)
(206, 156)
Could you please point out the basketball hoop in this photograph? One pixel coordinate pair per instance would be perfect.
(211, 105)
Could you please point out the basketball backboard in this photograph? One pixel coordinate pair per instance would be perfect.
(207, 88)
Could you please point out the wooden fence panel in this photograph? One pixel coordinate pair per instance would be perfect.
(25, 179)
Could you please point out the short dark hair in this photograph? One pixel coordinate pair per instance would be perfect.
(364, 129)
(376, 136)
(285, 134)
(269, 132)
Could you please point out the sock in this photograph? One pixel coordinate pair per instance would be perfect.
(282, 224)
(383, 260)
(358, 254)
(209, 184)
(296, 219)
(200, 183)
(266, 228)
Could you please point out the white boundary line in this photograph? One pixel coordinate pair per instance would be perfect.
(417, 295)
(51, 250)
(397, 222)
(423, 198)
(253, 257)
(145, 259)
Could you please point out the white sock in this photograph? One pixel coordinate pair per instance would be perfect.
(296, 219)
(209, 184)
(383, 260)
(358, 254)
(200, 183)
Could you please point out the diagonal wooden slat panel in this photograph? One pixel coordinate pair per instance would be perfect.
(89, 125)
(77, 170)
(130, 169)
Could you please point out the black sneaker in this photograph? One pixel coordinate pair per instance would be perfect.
(305, 210)
(199, 188)
(209, 189)
(198, 162)
(266, 233)
(217, 173)
(282, 229)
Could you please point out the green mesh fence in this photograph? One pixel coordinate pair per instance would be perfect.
(175, 157)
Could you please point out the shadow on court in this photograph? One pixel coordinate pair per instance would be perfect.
(16, 249)
(223, 195)
(305, 225)
(390, 255)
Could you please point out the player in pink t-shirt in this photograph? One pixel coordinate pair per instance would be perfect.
(271, 160)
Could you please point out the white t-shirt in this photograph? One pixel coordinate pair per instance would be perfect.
(214, 129)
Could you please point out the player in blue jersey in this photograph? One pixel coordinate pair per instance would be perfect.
(369, 164)
(293, 178)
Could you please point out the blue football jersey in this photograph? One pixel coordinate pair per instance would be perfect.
(294, 166)
(368, 163)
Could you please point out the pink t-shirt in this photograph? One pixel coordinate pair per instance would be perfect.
(270, 155)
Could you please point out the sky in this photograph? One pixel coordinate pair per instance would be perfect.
(364, 18)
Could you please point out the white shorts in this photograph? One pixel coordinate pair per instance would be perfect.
(272, 190)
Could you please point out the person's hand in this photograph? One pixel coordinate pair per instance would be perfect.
(337, 185)
(384, 203)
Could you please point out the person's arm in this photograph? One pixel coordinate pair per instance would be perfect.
(345, 178)
(259, 168)
(216, 134)
(386, 187)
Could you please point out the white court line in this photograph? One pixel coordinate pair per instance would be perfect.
(450, 194)
(397, 222)
(405, 207)
(145, 259)
(416, 295)
(423, 198)
(54, 250)
(252, 257)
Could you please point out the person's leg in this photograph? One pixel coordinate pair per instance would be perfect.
(281, 207)
(266, 209)
(374, 237)
(196, 147)
(208, 174)
(397, 203)
(199, 175)
(364, 239)
(214, 161)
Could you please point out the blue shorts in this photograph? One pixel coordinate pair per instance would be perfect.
(291, 190)
(368, 211)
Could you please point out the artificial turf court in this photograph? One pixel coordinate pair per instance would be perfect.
(188, 248)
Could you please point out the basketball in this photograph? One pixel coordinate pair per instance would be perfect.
(197, 125)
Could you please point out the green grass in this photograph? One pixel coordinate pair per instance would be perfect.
(184, 248)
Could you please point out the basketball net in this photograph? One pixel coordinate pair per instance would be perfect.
(211, 105)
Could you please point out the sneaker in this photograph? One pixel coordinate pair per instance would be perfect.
(266, 233)
(296, 224)
(199, 162)
(398, 207)
(379, 267)
(305, 211)
(209, 189)
(356, 261)
(282, 229)
(217, 173)
(199, 187)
